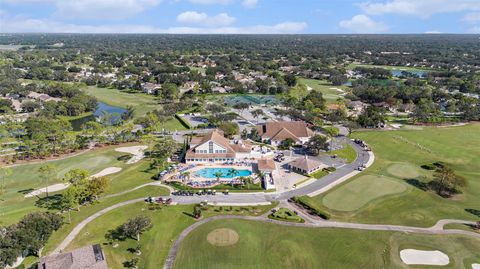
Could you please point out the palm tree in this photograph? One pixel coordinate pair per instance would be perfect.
(187, 175)
(218, 175)
(233, 173)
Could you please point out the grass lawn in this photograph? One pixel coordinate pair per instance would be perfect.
(347, 153)
(168, 223)
(326, 88)
(359, 192)
(391, 67)
(398, 156)
(266, 245)
(285, 214)
(25, 177)
(142, 103)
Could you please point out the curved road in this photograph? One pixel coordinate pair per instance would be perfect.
(316, 187)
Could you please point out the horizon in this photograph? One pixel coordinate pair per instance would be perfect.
(240, 16)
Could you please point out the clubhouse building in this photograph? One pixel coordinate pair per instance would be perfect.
(215, 148)
(275, 132)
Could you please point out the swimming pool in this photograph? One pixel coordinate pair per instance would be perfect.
(210, 172)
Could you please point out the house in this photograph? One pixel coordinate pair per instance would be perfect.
(357, 106)
(275, 132)
(305, 166)
(151, 88)
(215, 148)
(408, 108)
(42, 97)
(90, 257)
(266, 166)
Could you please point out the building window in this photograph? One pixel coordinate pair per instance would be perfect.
(210, 147)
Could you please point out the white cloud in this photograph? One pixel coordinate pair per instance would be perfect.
(104, 9)
(420, 8)
(193, 17)
(473, 17)
(474, 30)
(250, 3)
(93, 9)
(211, 2)
(363, 24)
(20, 24)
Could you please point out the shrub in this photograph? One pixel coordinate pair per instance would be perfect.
(312, 208)
(183, 122)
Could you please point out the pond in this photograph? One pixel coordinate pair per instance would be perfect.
(398, 73)
(101, 108)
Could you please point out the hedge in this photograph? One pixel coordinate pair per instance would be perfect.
(312, 208)
(183, 122)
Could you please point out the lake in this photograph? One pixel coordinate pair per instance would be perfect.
(398, 73)
(101, 108)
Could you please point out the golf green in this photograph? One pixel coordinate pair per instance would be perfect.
(361, 191)
(403, 170)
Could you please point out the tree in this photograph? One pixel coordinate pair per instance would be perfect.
(69, 201)
(372, 117)
(136, 226)
(229, 129)
(290, 80)
(287, 143)
(129, 113)
(218, 175)
(241, 106)
(47, 172)
(316, 144)
(164, 148)
(257, 113)
(97, 186)
(445, 182)
(197, 212)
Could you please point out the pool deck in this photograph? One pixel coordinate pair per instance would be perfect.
(193, 177)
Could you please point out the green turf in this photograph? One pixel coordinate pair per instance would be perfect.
(25, 177)
(266, 245)
(359, 192)
(326, 88)
(168, 223)
(285, 214)
(390, 67)
(347, 153)
(142, 103)
(403, 170)
(455, 146)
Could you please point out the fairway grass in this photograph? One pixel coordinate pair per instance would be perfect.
(403, 170)
(399, 155)
(326, 88)
(265, 245)
(357, 193)
(142, 103)
(25, 177)
(168, 223)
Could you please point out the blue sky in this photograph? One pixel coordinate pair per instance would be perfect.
(241, 16)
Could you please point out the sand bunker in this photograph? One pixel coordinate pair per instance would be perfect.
(107, 171)
(62, 186)
(136, 151)
(222, 237)
(422, 257)
(476, 266)
(309, 88)
(51, 188)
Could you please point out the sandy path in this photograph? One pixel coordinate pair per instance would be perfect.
(62, 186)
(136, 151)
(422, 257)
